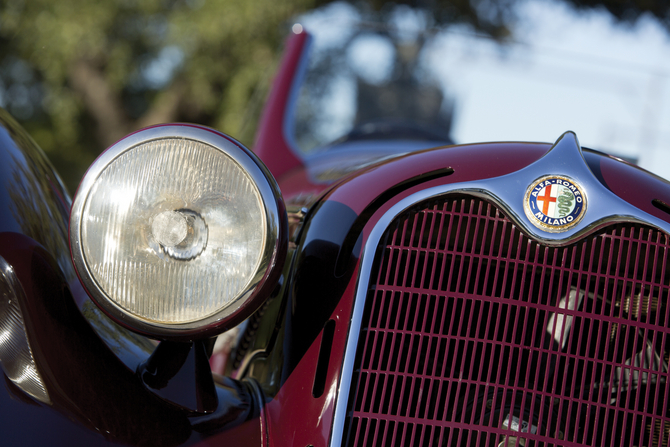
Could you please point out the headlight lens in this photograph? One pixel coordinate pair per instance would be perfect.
(178, 226)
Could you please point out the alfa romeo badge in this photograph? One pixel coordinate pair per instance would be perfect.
(554, 203)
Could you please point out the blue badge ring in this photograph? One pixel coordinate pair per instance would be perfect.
(554, 203)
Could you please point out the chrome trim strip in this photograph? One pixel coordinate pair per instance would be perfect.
(564, 158)
(16, 356)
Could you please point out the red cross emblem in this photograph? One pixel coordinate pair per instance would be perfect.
(546, 199)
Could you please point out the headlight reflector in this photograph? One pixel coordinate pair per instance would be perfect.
(175, 225)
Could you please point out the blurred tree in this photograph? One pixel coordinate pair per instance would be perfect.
(629, 10)
(79, 74)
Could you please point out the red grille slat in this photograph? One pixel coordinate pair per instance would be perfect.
(469, 323)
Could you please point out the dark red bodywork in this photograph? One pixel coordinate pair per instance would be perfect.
(97, 398)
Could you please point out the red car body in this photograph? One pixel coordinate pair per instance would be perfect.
(402, 385)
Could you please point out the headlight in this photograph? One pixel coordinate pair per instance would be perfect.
(175, 231)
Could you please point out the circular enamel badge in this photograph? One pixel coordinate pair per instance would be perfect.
(554, 203)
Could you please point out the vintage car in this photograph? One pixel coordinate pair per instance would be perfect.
(390, 289)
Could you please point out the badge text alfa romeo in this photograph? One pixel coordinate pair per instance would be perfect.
(554, 203)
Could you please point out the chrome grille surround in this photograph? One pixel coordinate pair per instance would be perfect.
(468, 324)
(565, 158)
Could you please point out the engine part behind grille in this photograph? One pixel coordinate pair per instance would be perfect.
(475, 335)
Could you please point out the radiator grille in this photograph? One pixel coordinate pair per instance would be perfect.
(475, 335)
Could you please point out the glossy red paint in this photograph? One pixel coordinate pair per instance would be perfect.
(639, 187)
(271, 144)
(249, 434)
(298, 186)
(362, 188)
(295, 416)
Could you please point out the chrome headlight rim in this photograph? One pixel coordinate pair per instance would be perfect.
(272, 257)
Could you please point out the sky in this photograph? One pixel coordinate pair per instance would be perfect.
(562, 70)
(607, 82)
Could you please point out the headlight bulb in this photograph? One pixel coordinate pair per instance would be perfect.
(181, 234)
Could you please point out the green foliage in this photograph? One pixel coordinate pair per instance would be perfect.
(99, 70)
